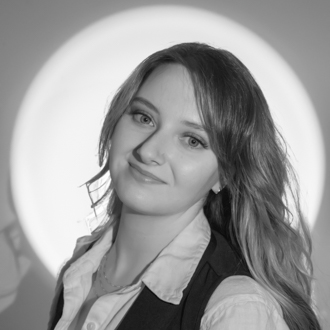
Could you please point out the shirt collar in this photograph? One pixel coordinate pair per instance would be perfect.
(169, 274)
(172, 270)
(91, 259)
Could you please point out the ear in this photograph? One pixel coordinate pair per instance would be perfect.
(217, 187)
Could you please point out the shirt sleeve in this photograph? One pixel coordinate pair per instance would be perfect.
(239, 303)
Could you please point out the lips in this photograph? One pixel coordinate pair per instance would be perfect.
(146, 173)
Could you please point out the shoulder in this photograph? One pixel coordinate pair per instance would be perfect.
(239, 302)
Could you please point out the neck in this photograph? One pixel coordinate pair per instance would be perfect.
(139, 240)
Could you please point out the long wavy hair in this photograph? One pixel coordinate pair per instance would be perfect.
(258, 210)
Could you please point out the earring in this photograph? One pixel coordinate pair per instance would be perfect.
(216, 191)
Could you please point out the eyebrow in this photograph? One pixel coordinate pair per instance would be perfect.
(148, 104)
(193, 125)
(145, 102)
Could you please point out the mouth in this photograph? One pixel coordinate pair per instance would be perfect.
(145, 175)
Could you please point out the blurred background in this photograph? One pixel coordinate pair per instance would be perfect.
(32, 30)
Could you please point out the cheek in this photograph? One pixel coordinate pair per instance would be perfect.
(199, 175)
(117, 150)
(120, 141)
(126, 137)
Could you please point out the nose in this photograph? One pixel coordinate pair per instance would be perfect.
(152, 150)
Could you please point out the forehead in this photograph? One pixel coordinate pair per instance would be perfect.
(169, 87)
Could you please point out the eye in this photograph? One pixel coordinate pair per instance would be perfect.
(196, 143)
(142, 118)
(193, 142)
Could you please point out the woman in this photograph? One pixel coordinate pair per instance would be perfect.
(198, 234)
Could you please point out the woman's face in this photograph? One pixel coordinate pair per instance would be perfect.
(160, 159)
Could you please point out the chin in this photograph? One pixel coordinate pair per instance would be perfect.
(144, 204)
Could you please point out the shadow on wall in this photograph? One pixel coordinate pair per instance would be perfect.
(26, 287)
(14, 264)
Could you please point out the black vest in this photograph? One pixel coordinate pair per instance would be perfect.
(148, 312)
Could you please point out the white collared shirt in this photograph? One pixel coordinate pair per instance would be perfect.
(238, 303)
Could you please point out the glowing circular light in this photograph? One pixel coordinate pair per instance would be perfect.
(57, 128)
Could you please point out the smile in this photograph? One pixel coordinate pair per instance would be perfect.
(144, 176)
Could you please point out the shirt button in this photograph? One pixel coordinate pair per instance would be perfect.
(90, 326)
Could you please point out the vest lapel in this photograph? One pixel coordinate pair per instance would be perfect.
(148, 312)
(224, 262)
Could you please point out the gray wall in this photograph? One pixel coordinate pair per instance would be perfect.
(31, 30)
